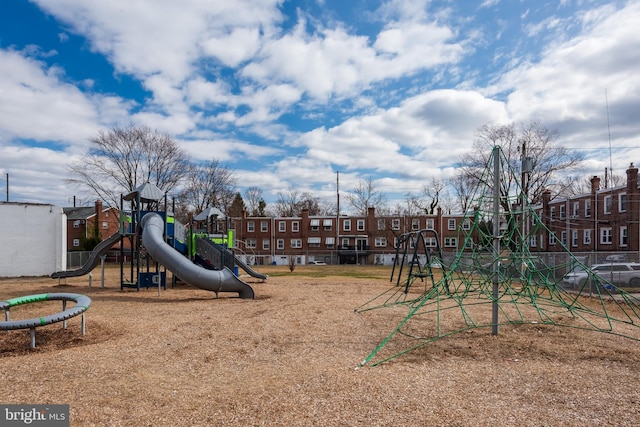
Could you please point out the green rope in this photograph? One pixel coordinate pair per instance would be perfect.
(530, 285)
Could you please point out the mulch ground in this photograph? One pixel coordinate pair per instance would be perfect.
(290, 358)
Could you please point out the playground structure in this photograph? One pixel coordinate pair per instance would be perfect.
(496, 281)
(82, 305)
(152, 241)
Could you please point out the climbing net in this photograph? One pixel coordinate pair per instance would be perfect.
(501, 277)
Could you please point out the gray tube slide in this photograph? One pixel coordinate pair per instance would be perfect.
(210, 280)
(248, 269)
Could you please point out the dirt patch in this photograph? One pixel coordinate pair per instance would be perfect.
(289, 357)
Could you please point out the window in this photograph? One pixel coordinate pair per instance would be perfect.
(315, 224)
(295, 226)
(574, 238)
(251, 226)
(563, 238)
(296, 243)
(327, 224)
(329, 241)
(552, 214)
(552, 239)
(346, 225)
(451, 224)
(429, 223)
(575, 211)
(450, 242)
(562, 212)
(280, 244)
(587, 208)
(76, 223)
(415, 224)
(105, 225)
(466, 224)
(76, 242)
(396, 242)
(624, 236)
(382, 224)
(586, 237)
(395, 224)
(314, 242)
(430, 242)
(264, 225)
(360, 225)
(608, 203)
(251, 243)
(533, 241)
(622, 202)
(282, 226)
(345, 242)
(380, 242)
(605, 236)
(266, 243)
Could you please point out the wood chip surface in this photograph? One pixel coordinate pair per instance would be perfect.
(289, 358)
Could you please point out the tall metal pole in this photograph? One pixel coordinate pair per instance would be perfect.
(496, 238)
(337, 217)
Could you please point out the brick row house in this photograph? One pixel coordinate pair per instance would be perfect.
(602, 221)
(605, 220)
(81, 222)
(366, 239)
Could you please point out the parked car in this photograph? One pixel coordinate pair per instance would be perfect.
(618, 274)
(617, 258)
(317, 263)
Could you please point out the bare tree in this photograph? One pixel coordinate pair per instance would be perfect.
(254, 200)
(364, 196)
(429, 198)
(463, 188)
(549, 160)
(208, 185)
(288, 202)
(291, 203)
(121, 159)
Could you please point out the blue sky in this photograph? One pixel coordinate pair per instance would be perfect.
(286, 93)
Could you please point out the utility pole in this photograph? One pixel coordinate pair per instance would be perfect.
(337, 216)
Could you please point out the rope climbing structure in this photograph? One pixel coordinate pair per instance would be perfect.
(499, 275)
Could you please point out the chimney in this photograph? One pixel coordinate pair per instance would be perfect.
(98, 213)
(595, 184)
(371, 212)
(632, 179)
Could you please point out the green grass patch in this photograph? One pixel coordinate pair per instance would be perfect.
(352, 271)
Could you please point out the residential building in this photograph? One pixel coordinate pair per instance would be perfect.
(604, 220)
(81, 222)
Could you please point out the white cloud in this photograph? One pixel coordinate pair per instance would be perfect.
(36, 174)
(424, 134)
(163, 36)
(232, 49)
(566, 89)
(38, 105)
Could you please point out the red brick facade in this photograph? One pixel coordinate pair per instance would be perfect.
(605, 220)
(81, 220)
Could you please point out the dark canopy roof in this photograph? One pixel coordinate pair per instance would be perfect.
(148, 193)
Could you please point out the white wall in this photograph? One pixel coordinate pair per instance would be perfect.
(33, 239)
